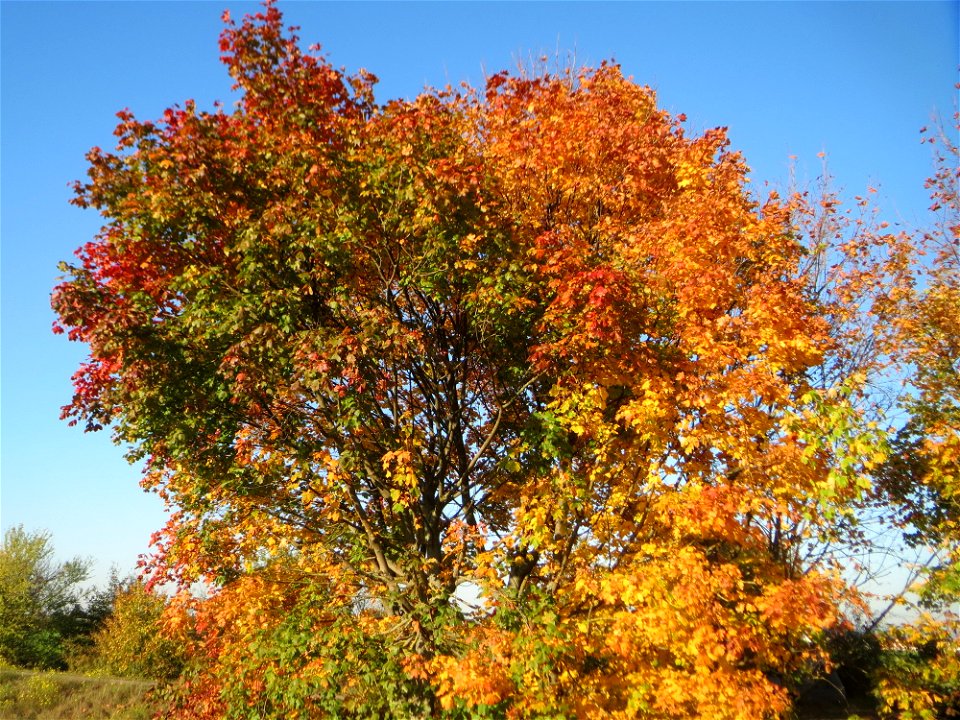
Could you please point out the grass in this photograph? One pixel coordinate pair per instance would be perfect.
(28, 695)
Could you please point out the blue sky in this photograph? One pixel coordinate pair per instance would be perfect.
(854, 80)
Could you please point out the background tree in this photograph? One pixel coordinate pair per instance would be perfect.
(130, 642)
(531, 340)
(925, 473)
(41, 601)
(919, 673)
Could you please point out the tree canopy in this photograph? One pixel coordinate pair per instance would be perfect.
(41, 601)
(497, 402)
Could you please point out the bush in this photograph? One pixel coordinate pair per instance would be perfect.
(130, 642)
(918, 672)
(855, 654)
(39, 691)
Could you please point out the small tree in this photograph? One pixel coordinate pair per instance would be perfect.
(129, 642)
(40, 601)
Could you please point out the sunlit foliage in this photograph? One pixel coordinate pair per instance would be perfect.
(498, 402)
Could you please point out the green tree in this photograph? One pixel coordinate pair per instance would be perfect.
(41, 602)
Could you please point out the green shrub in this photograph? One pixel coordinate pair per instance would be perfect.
(918, 672)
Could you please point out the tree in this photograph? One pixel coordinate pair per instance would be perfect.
(925, 475)
(130, 642)
(40, 601)
(530, 343)
(919, 676)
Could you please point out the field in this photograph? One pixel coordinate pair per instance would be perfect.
(27, 695)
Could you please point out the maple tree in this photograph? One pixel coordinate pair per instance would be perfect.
(499, 402)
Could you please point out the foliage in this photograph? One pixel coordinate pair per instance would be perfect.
(927, 467)
(130, 642)
(919, 673)
(41, 605)
(40, 691)
(530, 344)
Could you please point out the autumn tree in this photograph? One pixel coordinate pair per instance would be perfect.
(924, 475)
(919, 677)
(497, 402)
(130, 642)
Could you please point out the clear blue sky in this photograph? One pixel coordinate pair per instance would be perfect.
(856, 80)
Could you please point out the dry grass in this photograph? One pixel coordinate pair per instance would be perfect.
(26, 695)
